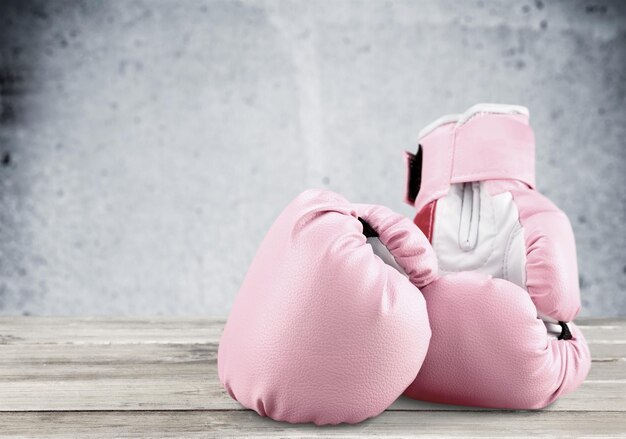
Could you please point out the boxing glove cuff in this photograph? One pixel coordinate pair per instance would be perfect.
(487, 142)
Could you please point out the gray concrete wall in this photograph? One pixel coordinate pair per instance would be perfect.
(146, 146)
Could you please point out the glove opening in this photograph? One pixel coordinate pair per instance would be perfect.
(368, 231)
(414, 178)
(565, 332)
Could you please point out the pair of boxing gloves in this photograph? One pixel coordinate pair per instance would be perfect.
(347, 306)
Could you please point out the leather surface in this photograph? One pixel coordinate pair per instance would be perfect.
(322, 329)
(488, 347)
(551, 265)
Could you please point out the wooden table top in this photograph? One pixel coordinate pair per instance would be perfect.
(155, 377)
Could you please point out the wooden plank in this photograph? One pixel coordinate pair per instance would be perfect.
(128, 330)
(173, 376)
(601, 321)
(607, 352)
(67, 362)
(170, 364)
(388, 424)
(184, 394)
(109, 330)
(157, 377)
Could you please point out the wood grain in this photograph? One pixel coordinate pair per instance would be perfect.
(158, 377)
(247, 424)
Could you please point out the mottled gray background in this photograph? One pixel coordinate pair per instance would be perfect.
(146, 146)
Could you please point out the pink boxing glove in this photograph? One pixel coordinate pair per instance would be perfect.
(323, 330)
(501, 314)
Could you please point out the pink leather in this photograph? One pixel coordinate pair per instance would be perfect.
(551, 265)
(485, 147)
(488, 347)
(323, 330)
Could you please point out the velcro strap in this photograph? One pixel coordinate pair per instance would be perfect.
(493, 147)
(486, 147)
